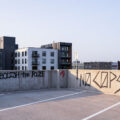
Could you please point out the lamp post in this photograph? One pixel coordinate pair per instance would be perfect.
(76, 59)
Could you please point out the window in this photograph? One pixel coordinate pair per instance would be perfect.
(18, 61)
(35, 54)
(22, 61)
(44, 61)
(22, 67)
(44, 67)
(52, 61)
(43, 53)
(52, 67)
(64, 48)
(22, 53)
(25, 67)
(67, 55)
(25, 61)
(34, 68)
(18, 54)
(64, 54)
(35, 61)
(18, 68)
(25, 53)
(52, 54)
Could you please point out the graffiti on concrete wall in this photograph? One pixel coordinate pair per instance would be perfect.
(85, 79)
(23, 74)
(62, 73)
(102, 79)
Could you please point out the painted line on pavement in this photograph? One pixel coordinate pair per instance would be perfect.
(41, 101)
(102, 111)
(2, 94)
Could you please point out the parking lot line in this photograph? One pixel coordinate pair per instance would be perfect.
(2, 94)
(102, 111)
(41, 101)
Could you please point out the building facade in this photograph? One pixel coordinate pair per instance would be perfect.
(98, 65)
(7, 49)
(118, 65)
(77, 64)
(64, 54)
(114, 66)
(2, 59)
(36, 59)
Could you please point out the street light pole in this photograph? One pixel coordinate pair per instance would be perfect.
(76, 58)
(77, 69)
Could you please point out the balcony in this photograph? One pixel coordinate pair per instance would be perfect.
(36, 55)
(65, 57)
(65, 63)
(35, 63)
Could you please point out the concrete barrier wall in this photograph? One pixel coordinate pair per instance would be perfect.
(31, 80)
(106, 81)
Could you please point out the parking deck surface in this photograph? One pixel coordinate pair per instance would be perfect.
(65, 104)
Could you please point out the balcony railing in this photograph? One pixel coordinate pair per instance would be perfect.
(65, 57)
(35, 55)
(65, 63)
(35, 63)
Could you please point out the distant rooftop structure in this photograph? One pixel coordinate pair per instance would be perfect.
(101, 65)
(78, 64)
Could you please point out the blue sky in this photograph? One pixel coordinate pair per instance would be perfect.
(93, 26)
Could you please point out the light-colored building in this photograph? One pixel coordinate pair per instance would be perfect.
(36, 59)
(78, 64)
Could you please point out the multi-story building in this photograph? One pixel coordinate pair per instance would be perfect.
(2, 59)
(7, 49)
(36, 59)
(64, 54)
(118, 65)
(114, 66)
(77, 64)
(98, 65)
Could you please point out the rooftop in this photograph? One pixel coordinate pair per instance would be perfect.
(65, 104)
